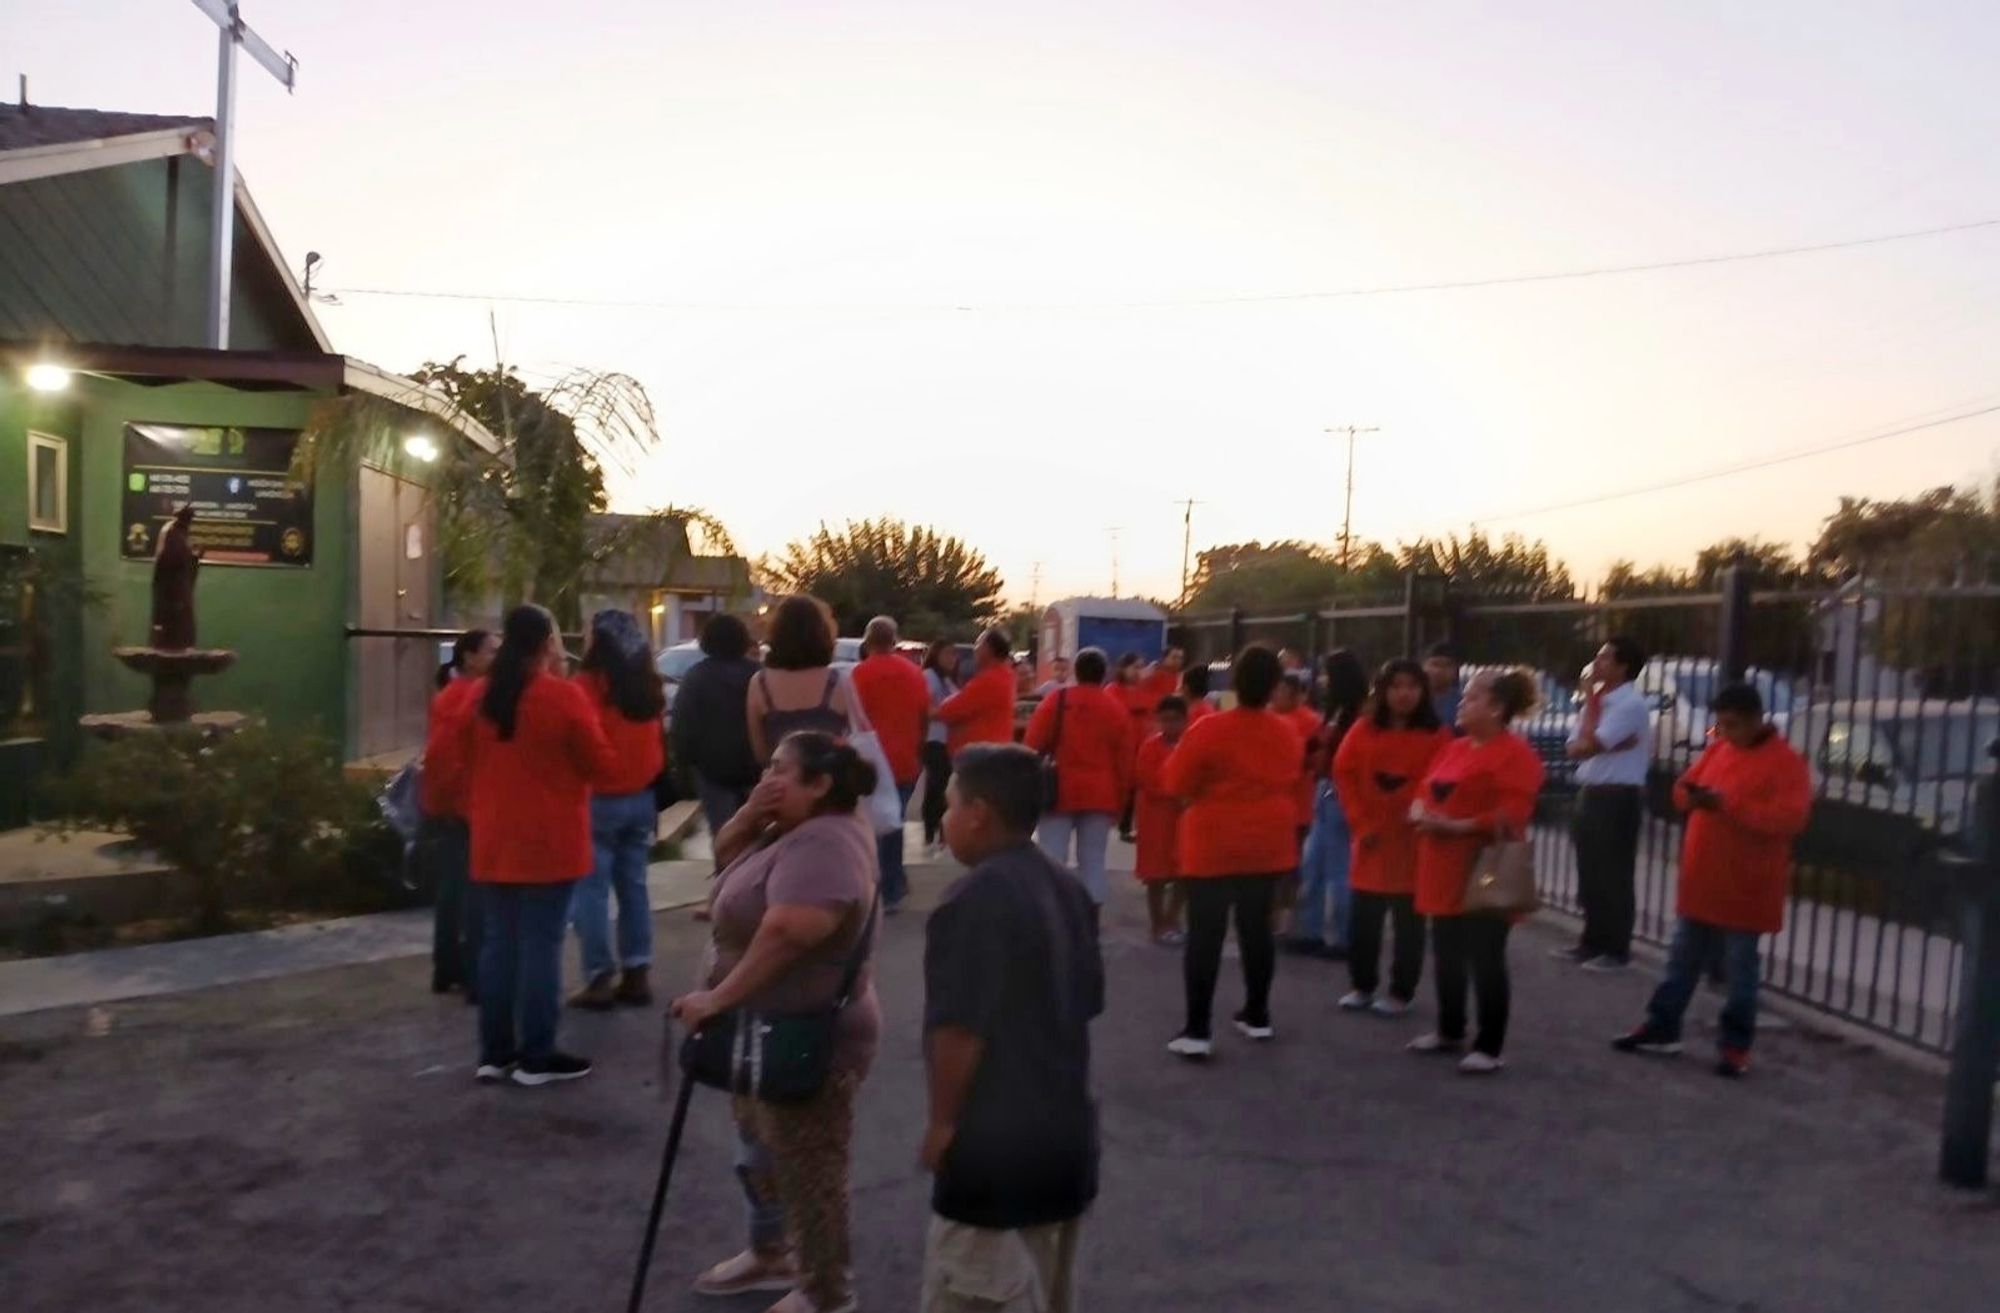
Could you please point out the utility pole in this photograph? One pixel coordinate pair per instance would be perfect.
(1187, 506)
(1035, 591)
(1114, 531)
(222, 224)
(1347, 522)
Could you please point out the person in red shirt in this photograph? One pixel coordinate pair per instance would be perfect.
(1157, 818)
(1139, 688)
(1084, 732)
(1289, 704)
(1194, 692)
(443, 839)
(532, 750)
(1238, 774)
(1480, 788)
(1320, 920)
(898, 703)
(983, 711)
(625, 690)
(1746, 798)
(1376, 773)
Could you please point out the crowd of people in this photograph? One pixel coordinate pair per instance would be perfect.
(1330, 814)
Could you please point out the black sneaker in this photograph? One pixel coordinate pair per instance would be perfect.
(549, 1070)
(1647, 1039)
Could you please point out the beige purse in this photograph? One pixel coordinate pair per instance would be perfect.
(1502, 882)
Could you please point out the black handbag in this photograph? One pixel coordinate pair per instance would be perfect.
(1051, 776)
(775, 1057)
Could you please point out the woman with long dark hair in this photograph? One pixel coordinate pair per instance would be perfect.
(443, 841)
(1377, 770)
(532, 750)
(794, 909)
(619, 679)
(1320, 921)
(941, 674)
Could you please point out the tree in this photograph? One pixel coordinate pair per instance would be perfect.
(1284, 576)
(1512, 569)
(937, 587)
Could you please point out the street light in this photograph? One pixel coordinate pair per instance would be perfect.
(47, 376)
(420, 448)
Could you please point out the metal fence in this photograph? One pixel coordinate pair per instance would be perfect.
(1889, 687)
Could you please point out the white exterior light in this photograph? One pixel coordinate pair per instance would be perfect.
(47, 377)
(420, 448)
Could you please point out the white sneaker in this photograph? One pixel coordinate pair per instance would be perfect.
(1249, 1031)
(1356, 1001)
(1390, 1006)
(1187, 1046)
(1434, 1043)
(1479, 1064)
(492, 1073)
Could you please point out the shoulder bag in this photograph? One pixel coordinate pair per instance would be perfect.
(884, 807)
(1502, 882)
(775, 1057)
(1051, 776)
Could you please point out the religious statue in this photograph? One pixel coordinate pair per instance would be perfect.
(174, 566)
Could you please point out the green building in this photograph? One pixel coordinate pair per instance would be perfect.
(112, 414)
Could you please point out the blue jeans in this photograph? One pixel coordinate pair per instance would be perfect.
(1322, 911)
(719, 802)
(889, 853)
(758, 1174)
(520, 970)
(1092, 832)
(456, 925)
(1696, 944)
(621, 835)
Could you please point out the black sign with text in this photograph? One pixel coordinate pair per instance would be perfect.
(248, 510)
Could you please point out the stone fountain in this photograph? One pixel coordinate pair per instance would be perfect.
(172, 661)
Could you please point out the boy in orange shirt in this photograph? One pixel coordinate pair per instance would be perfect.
(1157, 815)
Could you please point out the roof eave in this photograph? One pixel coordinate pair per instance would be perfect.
(360, 376)
(100, 153)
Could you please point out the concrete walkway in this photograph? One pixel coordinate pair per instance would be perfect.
(315, 1142)
(118, 974)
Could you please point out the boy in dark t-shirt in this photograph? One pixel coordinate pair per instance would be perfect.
(1012, 980)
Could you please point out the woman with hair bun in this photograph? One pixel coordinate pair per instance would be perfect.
(795, 901)
(1480, 788)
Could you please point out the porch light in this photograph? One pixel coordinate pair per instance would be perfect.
(46, 376)
(419, 447)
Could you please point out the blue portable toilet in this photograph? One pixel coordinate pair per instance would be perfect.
(1117, 625)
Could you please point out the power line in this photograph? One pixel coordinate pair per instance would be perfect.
(1743, 467)
(1343, 293)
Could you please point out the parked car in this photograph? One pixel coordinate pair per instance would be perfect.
(1680, 690)
(1909, 758)
(1547, 728)
(673, 663)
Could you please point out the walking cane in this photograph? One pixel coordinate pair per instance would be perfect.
(674, 1128)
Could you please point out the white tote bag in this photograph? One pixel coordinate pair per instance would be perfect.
(884, 807)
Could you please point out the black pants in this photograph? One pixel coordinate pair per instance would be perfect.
(1364, 943)
(1479, 944)
(1209, 901)
(937, 774)
(1606, 832)
(458, 922)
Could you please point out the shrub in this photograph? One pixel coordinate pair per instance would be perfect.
(256, 819)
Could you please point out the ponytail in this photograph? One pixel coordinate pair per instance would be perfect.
(822, 756)
(523, 640)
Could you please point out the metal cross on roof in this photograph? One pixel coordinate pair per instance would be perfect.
(285, 68)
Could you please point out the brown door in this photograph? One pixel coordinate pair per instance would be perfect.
(416, 658)
(396, 669)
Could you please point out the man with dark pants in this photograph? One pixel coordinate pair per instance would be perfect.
(1613, 747)
(898, 703)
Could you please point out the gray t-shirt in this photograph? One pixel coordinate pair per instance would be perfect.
(828, 861)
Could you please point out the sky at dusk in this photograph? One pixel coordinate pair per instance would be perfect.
(910, 259)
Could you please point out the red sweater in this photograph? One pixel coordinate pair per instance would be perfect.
(528, 799)
(982, 711)
(443, 791)
(1306, 723)
(638, 747)
(1377, 772)
(897, 700)
(1494, 784)
(1094, 754)
(1736, 862)
(1239, 772)
(1156, 814)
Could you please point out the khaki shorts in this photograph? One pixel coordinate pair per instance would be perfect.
(969, 1269)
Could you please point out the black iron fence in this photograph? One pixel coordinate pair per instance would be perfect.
(1890, 687)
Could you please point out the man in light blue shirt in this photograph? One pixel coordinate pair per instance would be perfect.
(1441, 668)
(1612, 745)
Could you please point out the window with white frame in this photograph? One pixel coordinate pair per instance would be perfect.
(48, 483)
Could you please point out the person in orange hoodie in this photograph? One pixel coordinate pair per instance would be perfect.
(1139, 688)
(1238, 772)
(532, 750)
(983, 711)
(1383, 759)
(445, 842)
(1291, 704)
(1746, 798)
(624, 689)
(1085, 734)
(1480, 788)
(1194, 692)
(1157, 818)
